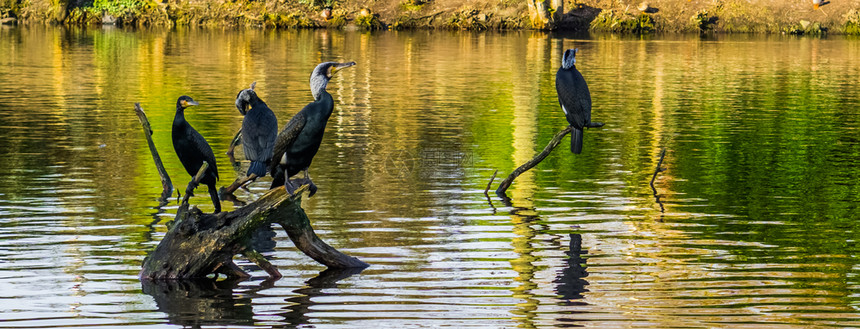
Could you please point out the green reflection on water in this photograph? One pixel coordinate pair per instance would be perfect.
(762, 137)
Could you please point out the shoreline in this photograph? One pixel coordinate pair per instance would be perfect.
(656, 16)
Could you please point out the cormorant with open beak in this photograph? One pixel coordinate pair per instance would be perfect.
(259, 129)
(300, 139)
(575, 99)
(192, 149)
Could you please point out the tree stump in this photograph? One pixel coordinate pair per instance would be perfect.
(199, 244)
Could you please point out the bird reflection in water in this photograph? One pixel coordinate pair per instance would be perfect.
(199, 303)
(571, 281)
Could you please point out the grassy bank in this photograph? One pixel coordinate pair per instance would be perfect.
(731, 16)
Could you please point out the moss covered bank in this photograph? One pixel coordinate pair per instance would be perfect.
(634, 16)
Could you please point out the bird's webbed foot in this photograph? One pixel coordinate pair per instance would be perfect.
(291, 189)
(594, 124)
(312, 188)
(294, 184)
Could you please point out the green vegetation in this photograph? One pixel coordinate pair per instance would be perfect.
(288, 20)
(405, 22)
(852, 22)
(609, 21)
(117, 7)
(703, 20)
(412, 5)
(338, 19)
(467, 19)
(9, 8)
(367, 20)
(806, 28)
(316, 4)
(732, 16)
(510, 23)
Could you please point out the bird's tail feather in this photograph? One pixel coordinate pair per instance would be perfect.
(213, 194)
(257, 167)
(576, 141)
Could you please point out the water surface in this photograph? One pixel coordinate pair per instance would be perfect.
(757, 226)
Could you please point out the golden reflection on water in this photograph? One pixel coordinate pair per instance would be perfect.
(420, 123)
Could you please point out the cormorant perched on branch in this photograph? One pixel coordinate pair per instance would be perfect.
(192, 149)
(259, 129)
(575, 99)
(300, 139)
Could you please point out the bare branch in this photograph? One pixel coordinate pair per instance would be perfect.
(166, 184)
(553, 143)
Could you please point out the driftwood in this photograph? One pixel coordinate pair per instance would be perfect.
(199, 244)
(166, 184)
(503, 186)
(553, 143)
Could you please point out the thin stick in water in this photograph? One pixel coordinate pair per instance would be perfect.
(491, 181)
(658, 170)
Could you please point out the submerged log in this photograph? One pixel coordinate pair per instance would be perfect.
(199, 244)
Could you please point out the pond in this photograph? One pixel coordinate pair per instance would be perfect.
(754, 223)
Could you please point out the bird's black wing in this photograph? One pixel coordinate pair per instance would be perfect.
(267, 139)
(259, 135)
(286, 138)
(574, 97)
(203, 148)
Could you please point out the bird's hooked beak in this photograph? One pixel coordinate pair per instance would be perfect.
(186, 103)
(243, 99)
(339, 66)
(242, 107)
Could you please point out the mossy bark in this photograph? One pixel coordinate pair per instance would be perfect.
(199, 244)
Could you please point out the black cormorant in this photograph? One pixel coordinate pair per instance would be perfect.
(192, 149)
(574, 98)
(259, 129)
(300, 139)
